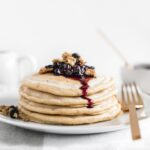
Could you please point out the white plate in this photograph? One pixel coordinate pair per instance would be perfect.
(119, 123)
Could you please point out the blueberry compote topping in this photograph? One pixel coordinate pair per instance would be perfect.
(72, 66)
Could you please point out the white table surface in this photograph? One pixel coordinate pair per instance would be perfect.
(15, 138)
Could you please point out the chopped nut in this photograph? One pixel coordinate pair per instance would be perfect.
(70, 60)
(81, 61)
(4, 110)
(90, 72)
(65, 55)
(45, 70)
(57, 60)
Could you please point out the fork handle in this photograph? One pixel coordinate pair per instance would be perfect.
(134, 122)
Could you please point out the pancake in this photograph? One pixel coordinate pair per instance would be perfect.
(50, 99)
(57, 110)
(63, 86)
(70, 120)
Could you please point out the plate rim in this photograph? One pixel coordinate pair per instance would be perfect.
(60, 129)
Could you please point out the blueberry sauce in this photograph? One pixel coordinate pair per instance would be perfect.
(84, 88)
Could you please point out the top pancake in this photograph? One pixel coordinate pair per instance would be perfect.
(63, 86)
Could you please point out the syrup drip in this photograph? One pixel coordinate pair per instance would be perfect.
(84, 88)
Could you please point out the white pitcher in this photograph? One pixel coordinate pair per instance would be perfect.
(12, 67)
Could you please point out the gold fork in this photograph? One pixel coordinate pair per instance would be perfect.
(131, 100)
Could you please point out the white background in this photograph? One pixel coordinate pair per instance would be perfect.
(46, 28)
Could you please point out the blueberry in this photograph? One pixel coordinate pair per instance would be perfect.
(83, 69)
(66, 66)
(13, 112)
(49, 66)
(76, 69)
(60, 65)
(69, 72)
(57, 71)
(12, 107)
(75, 55)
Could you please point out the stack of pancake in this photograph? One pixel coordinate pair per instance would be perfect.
(50, 99)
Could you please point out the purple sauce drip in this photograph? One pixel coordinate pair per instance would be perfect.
(84, 88)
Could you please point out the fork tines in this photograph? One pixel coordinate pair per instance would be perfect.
(130, 94)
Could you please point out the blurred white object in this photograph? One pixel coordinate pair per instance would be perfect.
(9, 96)
(12, 66)
(140, 73)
